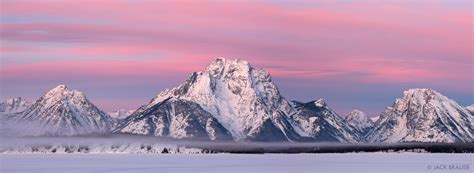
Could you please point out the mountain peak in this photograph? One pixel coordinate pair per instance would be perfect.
(63, 92)
(61, 87)
(420, 96)
(242, 98)
(224, 61)
(359, 120)
(421, 92)
(222, 66)
(320, 103)
(57, 90)
(356, 114)
(65, 112)
(424, 115)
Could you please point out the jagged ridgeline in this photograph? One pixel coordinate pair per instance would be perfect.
(60, 112)
(423, 115)
(230, 100)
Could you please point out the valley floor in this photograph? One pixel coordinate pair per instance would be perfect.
(248, 163)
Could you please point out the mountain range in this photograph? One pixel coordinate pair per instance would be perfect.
(230, 100)
(13, 105)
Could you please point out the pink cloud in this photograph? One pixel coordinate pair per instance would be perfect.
(311, 42)
(95, 68)
(111, 50)
(396, 29)
(373, 70)
(210, 22)
(16, 49)
(370, 69)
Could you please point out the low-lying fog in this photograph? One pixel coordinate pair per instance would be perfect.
(150, 144)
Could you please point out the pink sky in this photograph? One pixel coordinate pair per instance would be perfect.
(370, 50)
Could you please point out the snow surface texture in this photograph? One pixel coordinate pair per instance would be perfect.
(63, 112)
(359, 121)
(423, 115)
(241, 163)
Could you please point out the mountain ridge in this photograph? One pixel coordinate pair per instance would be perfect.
(423, 115)
(243, 99)
(64, 112)
(359, 121)
(229, 100)
(14, 105)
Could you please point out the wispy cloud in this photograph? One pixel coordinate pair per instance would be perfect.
(364, 43)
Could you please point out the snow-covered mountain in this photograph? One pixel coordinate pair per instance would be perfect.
(120, 114)
(10, 110)
(375, 119)
(13, 105)
(64, 112)
(470, 108)
(321, 123)
(231, 100)
(176, 118)
(423, 115)
(229, 93)
(359, 121)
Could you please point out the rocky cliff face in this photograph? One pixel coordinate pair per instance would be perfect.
(423, 115)
(175, 118)
(242, 99)
(321, 123)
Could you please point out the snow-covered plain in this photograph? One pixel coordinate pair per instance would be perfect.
(248, 163)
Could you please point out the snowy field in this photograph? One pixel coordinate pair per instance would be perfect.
(246, 163)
